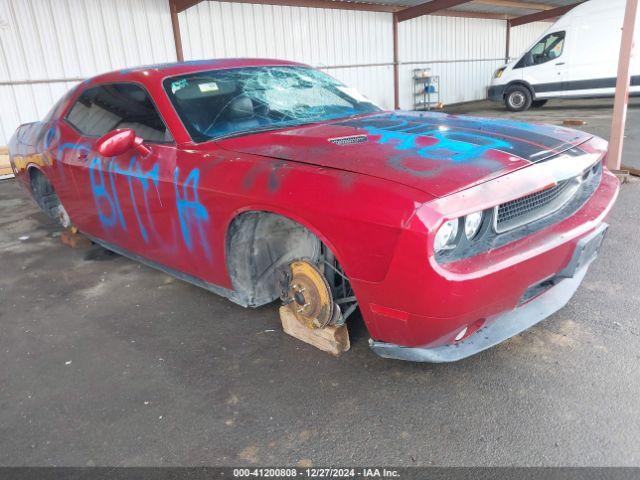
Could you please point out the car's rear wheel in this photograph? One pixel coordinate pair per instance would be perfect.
(538, 103)
(517, 98)
(47, 199)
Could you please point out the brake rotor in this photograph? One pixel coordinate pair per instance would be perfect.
(309, 294)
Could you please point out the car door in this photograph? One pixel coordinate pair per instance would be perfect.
(134, 201)
(545, 65)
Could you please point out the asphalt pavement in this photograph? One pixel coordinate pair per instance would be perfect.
(104, 361)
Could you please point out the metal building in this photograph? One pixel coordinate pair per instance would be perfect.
(47, 46)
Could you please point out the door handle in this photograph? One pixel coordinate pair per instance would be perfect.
(83, 155)
(560, 63)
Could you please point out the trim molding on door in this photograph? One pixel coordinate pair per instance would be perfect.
(582, 84)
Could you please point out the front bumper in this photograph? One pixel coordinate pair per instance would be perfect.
(495, 93)
(427, 308)
(504, 326)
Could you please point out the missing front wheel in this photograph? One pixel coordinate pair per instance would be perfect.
(318, 294)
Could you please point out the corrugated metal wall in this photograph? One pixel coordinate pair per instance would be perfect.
(522, 36)
(356, 46)
(463, 51)
(57, 40)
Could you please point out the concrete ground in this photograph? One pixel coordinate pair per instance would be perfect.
(107, 362)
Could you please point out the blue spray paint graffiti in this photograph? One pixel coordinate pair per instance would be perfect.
(144, 178)
(428, 140)
(135, 173)
(51, 141)
(78, 147)
(457, 146)
(103, 197)
(52, 135)
(526, 140)
(103, 176)
(454, 146)
(192, 214)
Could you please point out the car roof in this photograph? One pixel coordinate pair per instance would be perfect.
(163, 70)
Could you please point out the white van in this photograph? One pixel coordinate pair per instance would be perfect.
(576, 57)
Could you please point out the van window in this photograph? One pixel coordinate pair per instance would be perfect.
(548, 48)
(101, 109)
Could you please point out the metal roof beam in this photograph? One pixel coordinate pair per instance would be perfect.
(330, 4)
(465, 14)
(175, 25)
(182, 5)
(545, 15)
(368, 7)
(515, 4)
(427, 8)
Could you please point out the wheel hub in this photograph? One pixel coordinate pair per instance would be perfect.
(309, 295)
(517, 99)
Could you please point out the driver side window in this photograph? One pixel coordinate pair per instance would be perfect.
(548, 48)
(107, 107)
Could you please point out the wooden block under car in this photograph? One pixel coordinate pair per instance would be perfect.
(331, 339)
(632, 170)
(74, 239)
(5, 166)
(573, 122)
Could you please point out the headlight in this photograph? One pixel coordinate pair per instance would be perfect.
(498, 72)
(446, 236)
(472, 223)
(460, 233)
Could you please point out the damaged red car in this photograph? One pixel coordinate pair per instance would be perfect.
(261, 179)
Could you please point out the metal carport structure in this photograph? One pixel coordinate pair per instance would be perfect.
(514, 12)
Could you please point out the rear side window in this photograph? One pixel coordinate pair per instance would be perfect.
(56, 109)
(101, 109)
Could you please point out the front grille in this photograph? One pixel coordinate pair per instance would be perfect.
(349, 140)
(534, 206)
(526, 215)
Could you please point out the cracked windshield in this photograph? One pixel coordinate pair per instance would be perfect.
(222, 103)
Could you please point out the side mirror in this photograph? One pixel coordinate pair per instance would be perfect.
(528, 59)
(120, 141)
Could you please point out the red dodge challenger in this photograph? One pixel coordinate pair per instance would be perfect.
(260, 179)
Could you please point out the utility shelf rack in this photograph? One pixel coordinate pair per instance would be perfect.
(426, 89)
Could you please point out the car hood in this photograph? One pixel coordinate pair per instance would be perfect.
(434, 152)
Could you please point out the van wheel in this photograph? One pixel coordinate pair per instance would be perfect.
(538, 103)
(517, 98)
